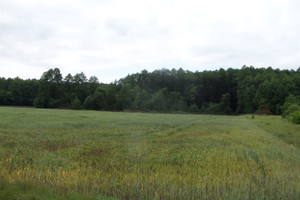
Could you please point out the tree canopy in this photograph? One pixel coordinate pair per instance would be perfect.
(231, 91)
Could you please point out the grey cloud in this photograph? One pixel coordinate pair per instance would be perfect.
(135, 30)
(120, 26)
(104, 35)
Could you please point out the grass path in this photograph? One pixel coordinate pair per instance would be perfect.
(279, 127)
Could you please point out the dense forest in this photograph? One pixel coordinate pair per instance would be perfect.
(231, 91)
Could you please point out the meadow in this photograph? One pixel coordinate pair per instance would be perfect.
(66, 154)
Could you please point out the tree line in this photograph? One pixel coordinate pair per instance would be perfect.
(231, 91)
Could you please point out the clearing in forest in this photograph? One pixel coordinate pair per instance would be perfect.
(65, 154)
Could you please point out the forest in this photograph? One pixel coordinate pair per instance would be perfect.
(231, 91)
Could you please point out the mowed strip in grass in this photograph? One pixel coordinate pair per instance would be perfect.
(147, 156)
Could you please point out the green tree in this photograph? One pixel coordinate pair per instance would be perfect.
(6, 97)
(93, 84)
(81, 87)
(140, 99)
(96, 101)
(125, 97)
(50, 92)
(76, 104)
(224, 105)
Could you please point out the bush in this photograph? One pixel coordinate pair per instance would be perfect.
(264, 111)
(76, 104)
(292, 108)
(89, 103)
(194, 108)
(286, 108)
(292, 113)
(213, 108)
(295, 117)
(54, 103)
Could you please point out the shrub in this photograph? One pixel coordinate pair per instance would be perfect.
(286, 108)
(264, 111)
(295, 117)
(194, 108)
(292, 108)
(213, 108)
(76, 104)
(89, 103)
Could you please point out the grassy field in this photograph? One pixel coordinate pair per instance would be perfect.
(64, 154)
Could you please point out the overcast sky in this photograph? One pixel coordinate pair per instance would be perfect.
(113, 38)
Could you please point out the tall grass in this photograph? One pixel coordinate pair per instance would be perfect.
(281, 128)
(148, 156)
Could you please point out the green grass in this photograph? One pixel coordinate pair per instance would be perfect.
(279, 127)
(26, 191)
(64, 154)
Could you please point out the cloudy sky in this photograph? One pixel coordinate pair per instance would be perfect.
(113, 38)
